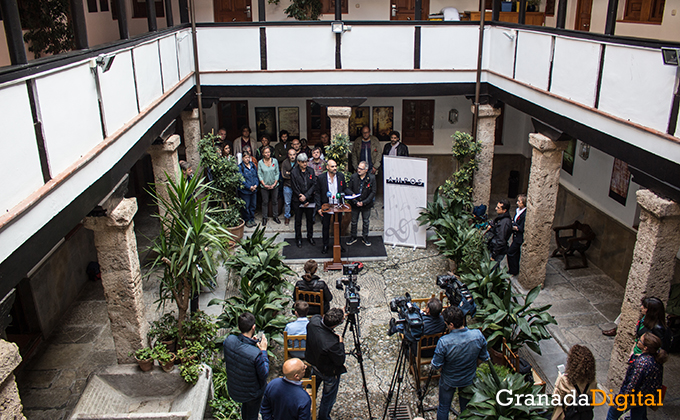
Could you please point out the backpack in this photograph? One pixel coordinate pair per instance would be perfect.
(578, 412)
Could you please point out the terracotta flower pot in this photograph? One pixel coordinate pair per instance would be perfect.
(145, 364)
(169, 365)
(237, 232)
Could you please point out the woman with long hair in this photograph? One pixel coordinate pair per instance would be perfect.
(268, 174)
(579, 376)
(644, 376)
(312, 283)
(653, 320)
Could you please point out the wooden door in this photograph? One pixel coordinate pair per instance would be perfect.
(418, 122)
(583, 10)
(406, 9)
(233, 10)
(233, 116)
(317, 122)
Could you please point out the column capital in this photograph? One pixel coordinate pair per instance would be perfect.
(120, 217)
(168, 146)
(544, 144)
(9, 359)
(658, 206)
(486, 111)
(339, 111)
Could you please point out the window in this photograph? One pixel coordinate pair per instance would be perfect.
(645, 11)
(92, 6)
(138, 9)
(103, 5)
(328, 7)
(418, 122)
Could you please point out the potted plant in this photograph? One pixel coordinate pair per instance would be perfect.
(200, 328)
(533, 5)
(302, 9)
(165, 358)
(225, 181)
(190, 245)
(164, 331)
(459, 185)
(144, 357)
(487, 278)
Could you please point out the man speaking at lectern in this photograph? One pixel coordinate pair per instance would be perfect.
(329, 186)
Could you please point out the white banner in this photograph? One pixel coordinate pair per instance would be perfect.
(405, 182)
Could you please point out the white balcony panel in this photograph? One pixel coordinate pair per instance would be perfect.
(637, 86)
(21, 170)
(185, 52)
(378, 47)
(70, 113)
(300, 48)
(118, 92)
(501, 50)
(169, 63)
(234, 48)
(533, 58)
(449, 47)
(576, 65)
(148, 74)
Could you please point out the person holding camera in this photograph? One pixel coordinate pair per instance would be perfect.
(499, 231)
(247, 367)
(312, 283)
(457, 355)
(364, 184)
(326, 353)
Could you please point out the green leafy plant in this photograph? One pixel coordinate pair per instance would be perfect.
(165, 329)
(161, 353)
(48, 24)
(226, 180)
(200, 329)
(487, 278)
(338, 150)
(190, 245)
(190, 372)
(464, 150)
(517, 322)
(484, 404)
(302, 9)
(223, 407)
(145, 353)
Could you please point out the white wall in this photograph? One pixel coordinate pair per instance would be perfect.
(516, 128)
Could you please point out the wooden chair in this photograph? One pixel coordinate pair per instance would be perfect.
(309, 385)
(290, 349)
(426, 342)
(513, 361)
(313, 298)
(421, 302)
(579, 241)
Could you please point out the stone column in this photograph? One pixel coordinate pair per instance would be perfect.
(658, 241)
(486, 135)
(339, 116)
(114, 238)
(10, 403)
(544, 181)
(192, 135)
(164, 161)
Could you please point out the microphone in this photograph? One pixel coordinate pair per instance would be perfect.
(342, 199)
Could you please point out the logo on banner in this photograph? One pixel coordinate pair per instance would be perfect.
(405, 181)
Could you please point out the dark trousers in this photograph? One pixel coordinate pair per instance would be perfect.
(266, 196)
(446, 397)
(329, 395)
(251, 409)
(365, 221)
(514, 253)
(248, 211)
(326, 225)
(309, 215)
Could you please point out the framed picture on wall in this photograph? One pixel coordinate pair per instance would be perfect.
(359, 118)
(618, 187)
(568, 157)
(289, 120)
(265, 122)
(383, 122)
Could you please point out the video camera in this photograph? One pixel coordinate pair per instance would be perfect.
(458, 293)
(409, 316)
(349, 284)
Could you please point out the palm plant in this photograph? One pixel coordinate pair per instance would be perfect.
(190, 245)
(487, 278)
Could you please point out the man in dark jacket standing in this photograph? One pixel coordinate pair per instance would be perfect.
(303, 181)
(247, 367)
(500, 230)
(326, 353)
(328, 186)
(395, 147)
(364, 184)
(517, 235)
(284, 398)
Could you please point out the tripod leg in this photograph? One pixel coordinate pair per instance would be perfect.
(360, 358)
(400, 380)
(393, 383)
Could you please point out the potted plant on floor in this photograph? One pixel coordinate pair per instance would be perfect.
(165, 358)
(144, 357)
(190, 246)
(164, 331)
(459, 185)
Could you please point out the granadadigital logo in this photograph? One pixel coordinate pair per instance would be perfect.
(405, 181)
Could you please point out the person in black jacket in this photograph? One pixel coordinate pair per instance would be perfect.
(312, 283)
(395, 147)
(364, 184)
(326, 353)
(515, 249)
(328, 185)
(303, 181)
(499, 231)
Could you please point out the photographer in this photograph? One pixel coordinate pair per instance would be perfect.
(499, 231)
(457, 355)
(326, 353)
(312, 283)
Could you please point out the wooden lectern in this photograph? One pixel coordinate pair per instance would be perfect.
(337, 262)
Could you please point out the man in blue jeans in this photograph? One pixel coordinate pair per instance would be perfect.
(457, 355)
(326, 353)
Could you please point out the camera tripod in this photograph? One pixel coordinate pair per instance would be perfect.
(352, 322)
(397, 378)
